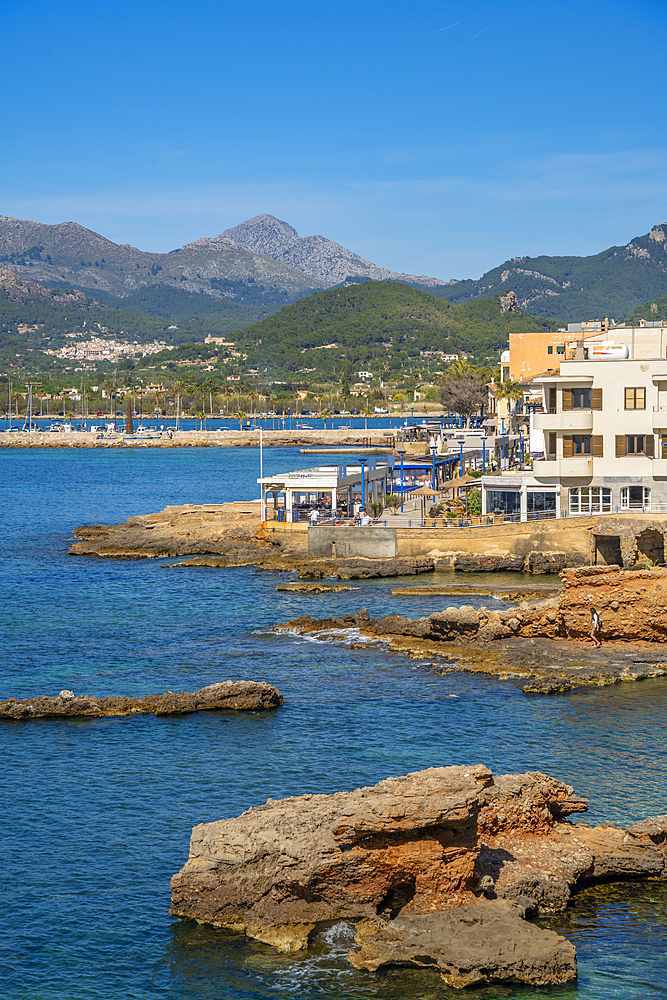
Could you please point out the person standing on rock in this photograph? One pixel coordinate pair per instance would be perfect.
(595, 627)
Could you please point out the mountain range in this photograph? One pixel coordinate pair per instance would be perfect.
(612, 283)
(261, 265)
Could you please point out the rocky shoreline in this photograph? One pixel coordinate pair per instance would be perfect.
(436, 868)
(544, 641)
(238, 696)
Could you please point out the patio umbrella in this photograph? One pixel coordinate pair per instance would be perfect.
(423, 492)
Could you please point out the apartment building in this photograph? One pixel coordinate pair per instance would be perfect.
(605, 435)
(604, 424)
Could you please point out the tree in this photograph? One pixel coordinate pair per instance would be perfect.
(510, 391)
(465, 394)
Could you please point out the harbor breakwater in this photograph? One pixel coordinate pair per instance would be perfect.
(345, 438)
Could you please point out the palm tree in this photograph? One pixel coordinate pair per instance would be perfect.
(462, 369)
(509, 391)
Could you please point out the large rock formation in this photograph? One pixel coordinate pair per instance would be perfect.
(240, 696)
(632, 604)
(427, 842)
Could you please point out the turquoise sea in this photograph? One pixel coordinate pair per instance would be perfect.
(97, 814)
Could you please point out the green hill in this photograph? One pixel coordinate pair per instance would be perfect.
(385, 325)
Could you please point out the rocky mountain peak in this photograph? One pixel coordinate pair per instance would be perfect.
(264, 234)
(314, 255)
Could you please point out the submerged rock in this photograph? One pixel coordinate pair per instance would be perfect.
(240, 696)
(305, 587)
(484, 941)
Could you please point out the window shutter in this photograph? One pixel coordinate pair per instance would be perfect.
(552, 399)
(596, 399)
(597, 445)
(567, 446)
(649, 446)
(620, 445)
(567, 399)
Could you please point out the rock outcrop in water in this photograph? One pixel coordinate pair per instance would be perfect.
(484, 941)
(421, 844)
(240, 696)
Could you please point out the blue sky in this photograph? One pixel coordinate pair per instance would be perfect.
(436, 138)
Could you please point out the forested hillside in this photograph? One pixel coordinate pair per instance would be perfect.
(380, 322)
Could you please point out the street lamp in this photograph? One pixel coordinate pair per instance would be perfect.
(402, 453)
(362, 463)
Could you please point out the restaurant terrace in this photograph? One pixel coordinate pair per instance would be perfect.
(326, 488)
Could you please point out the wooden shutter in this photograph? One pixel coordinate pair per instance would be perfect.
(597, 444)
(567, 399)
(552, 400)
(567, 446)
(596, 399)
(620, 445)
(649, 446)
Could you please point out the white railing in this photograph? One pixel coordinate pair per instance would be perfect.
(389, 520)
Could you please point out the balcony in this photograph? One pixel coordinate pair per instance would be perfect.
(660, 418)
(578, 467)
(565, 420)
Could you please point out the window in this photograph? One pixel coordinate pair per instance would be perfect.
(550, 349)
(541, 502)
(503, 502)
(590, 500)
(581, 399)
(560, 349)
(635, 399)
(575, 445)
(635, 496)
(581, 444)
(635, 444)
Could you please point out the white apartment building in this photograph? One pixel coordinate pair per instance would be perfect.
(605, 443)
(605, 434)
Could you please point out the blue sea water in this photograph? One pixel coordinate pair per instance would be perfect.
(97, 814)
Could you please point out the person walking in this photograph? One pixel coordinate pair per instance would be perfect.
(595, 628)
